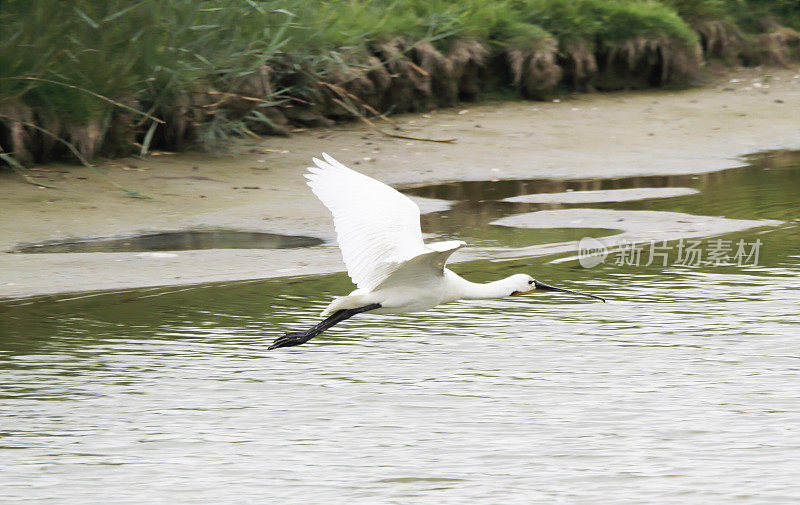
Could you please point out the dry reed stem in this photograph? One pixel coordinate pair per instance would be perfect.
(21, 170)
(226, 96)
(384, 132)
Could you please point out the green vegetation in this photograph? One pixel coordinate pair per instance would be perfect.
(117, 77)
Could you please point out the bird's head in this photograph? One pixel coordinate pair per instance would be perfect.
(521, 284)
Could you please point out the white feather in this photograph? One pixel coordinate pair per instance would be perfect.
(378, 227)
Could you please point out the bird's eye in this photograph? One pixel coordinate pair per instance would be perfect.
(530, 281)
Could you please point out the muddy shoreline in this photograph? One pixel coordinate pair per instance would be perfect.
(260, 188)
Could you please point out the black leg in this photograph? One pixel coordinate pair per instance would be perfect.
(301, 337)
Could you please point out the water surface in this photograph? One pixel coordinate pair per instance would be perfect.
(682, 389)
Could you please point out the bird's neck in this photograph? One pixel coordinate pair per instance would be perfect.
(459, 288)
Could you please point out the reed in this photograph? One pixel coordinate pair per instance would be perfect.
(120, 77)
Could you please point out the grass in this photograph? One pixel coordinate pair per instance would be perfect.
(210, 70)
(610, 22)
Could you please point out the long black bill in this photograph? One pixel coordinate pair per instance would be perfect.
(546, 287)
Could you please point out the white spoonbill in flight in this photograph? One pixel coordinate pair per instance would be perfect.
(380, 238)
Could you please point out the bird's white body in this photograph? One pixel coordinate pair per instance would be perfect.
(379, 234)
(428, 293)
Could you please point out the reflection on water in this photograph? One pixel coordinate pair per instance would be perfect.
(173, 241)
(681, 389)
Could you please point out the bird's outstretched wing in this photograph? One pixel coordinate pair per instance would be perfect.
(377, 227)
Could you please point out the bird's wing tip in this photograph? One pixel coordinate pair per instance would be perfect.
(328, 163)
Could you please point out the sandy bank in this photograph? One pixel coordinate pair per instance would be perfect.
(261, 189)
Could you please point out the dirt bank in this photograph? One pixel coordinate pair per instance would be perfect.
(261, 189)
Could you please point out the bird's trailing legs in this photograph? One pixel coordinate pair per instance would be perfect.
(301, 337)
